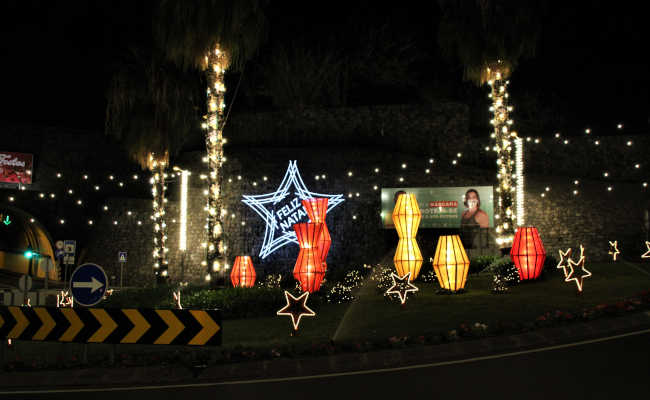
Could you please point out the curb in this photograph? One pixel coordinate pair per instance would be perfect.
(338, 363)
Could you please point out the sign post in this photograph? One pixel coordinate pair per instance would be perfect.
(88, 283)
(121, 258)
(24, 284)
(48, 265)
(69, 250)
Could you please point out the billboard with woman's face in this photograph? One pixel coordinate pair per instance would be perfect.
(445, 207)
(16, 168)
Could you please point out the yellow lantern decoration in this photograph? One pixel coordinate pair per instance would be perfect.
(406, 217)
(451, 263)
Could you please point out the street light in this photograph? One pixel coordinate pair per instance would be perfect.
(29, 253)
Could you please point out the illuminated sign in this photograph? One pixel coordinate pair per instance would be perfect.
(444, 207)
(16, 168)
(282, 208)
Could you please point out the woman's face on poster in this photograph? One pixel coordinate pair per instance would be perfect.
(472, 200)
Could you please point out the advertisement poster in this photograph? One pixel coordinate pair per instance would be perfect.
(16, 167)
(445, 207)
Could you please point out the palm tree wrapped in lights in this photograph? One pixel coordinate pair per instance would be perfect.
(213, 35)
(488, 38)
(150, 110)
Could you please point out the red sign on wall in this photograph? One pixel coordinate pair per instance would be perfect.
(16, 167)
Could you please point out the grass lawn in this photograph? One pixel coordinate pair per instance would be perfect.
(371, 316)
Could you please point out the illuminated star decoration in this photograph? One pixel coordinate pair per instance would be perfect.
(258, 203)
(296, 308)
(613, 249)
(575, 274)
(401, 286)
(647, 253)
(563, 261)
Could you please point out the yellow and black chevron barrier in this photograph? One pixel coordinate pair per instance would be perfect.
(111, 325)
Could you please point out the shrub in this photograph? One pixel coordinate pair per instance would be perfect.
(236, 302)
(478, 264)
(550, 267)
(381, 276)
(504, 272)
(159, 297)
(271, 281)
(339, 293)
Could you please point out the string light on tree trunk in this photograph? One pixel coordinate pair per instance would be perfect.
(157, 166)
(504, 138)
(216, 63)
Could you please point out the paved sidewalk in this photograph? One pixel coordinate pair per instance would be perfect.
(282, 367)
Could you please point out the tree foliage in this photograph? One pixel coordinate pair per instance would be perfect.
(478, 33)
(188, 29)
(151, 106)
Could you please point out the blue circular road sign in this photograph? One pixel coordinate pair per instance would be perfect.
(88, 284)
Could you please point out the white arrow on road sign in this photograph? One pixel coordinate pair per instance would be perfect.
(93, 285)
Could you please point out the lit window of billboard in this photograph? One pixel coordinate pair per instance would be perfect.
(16, 167)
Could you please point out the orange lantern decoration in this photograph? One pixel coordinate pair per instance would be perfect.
(406, 217)
(309, 270)
(451, 263)
(316, 211)
(243, 272)
(528, 253)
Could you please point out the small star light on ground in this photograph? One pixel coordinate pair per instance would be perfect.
(647, 253)
(564, 257)
(401, 286)
(258, 203)
(296, 308)
(577, 270)
(613, 249)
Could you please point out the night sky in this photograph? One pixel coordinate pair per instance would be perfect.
(58, 57)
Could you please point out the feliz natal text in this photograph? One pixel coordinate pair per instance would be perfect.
(292, 212)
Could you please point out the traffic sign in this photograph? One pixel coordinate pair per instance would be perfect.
(70, 246)
(59, 244)
(59, 253)
(68, 260)
(122, 256)
(25, 283)
(88, 284)
(112, 325)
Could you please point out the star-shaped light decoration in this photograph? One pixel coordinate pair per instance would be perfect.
(564, 257)
(279, 223)
(576, 274)
(647, 253)
(402, 286)
(613, 249)
(296, 308)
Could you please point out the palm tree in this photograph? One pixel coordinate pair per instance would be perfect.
(488, 38)
(151, 111)
(213, 35)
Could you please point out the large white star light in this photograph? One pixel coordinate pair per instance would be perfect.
(280, 219)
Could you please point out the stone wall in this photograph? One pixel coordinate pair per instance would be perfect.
(564, 220)
(356, 140)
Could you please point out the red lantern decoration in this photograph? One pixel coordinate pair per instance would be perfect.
(316, 211)
(243, 272)
(309, 270)
(528, 253)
